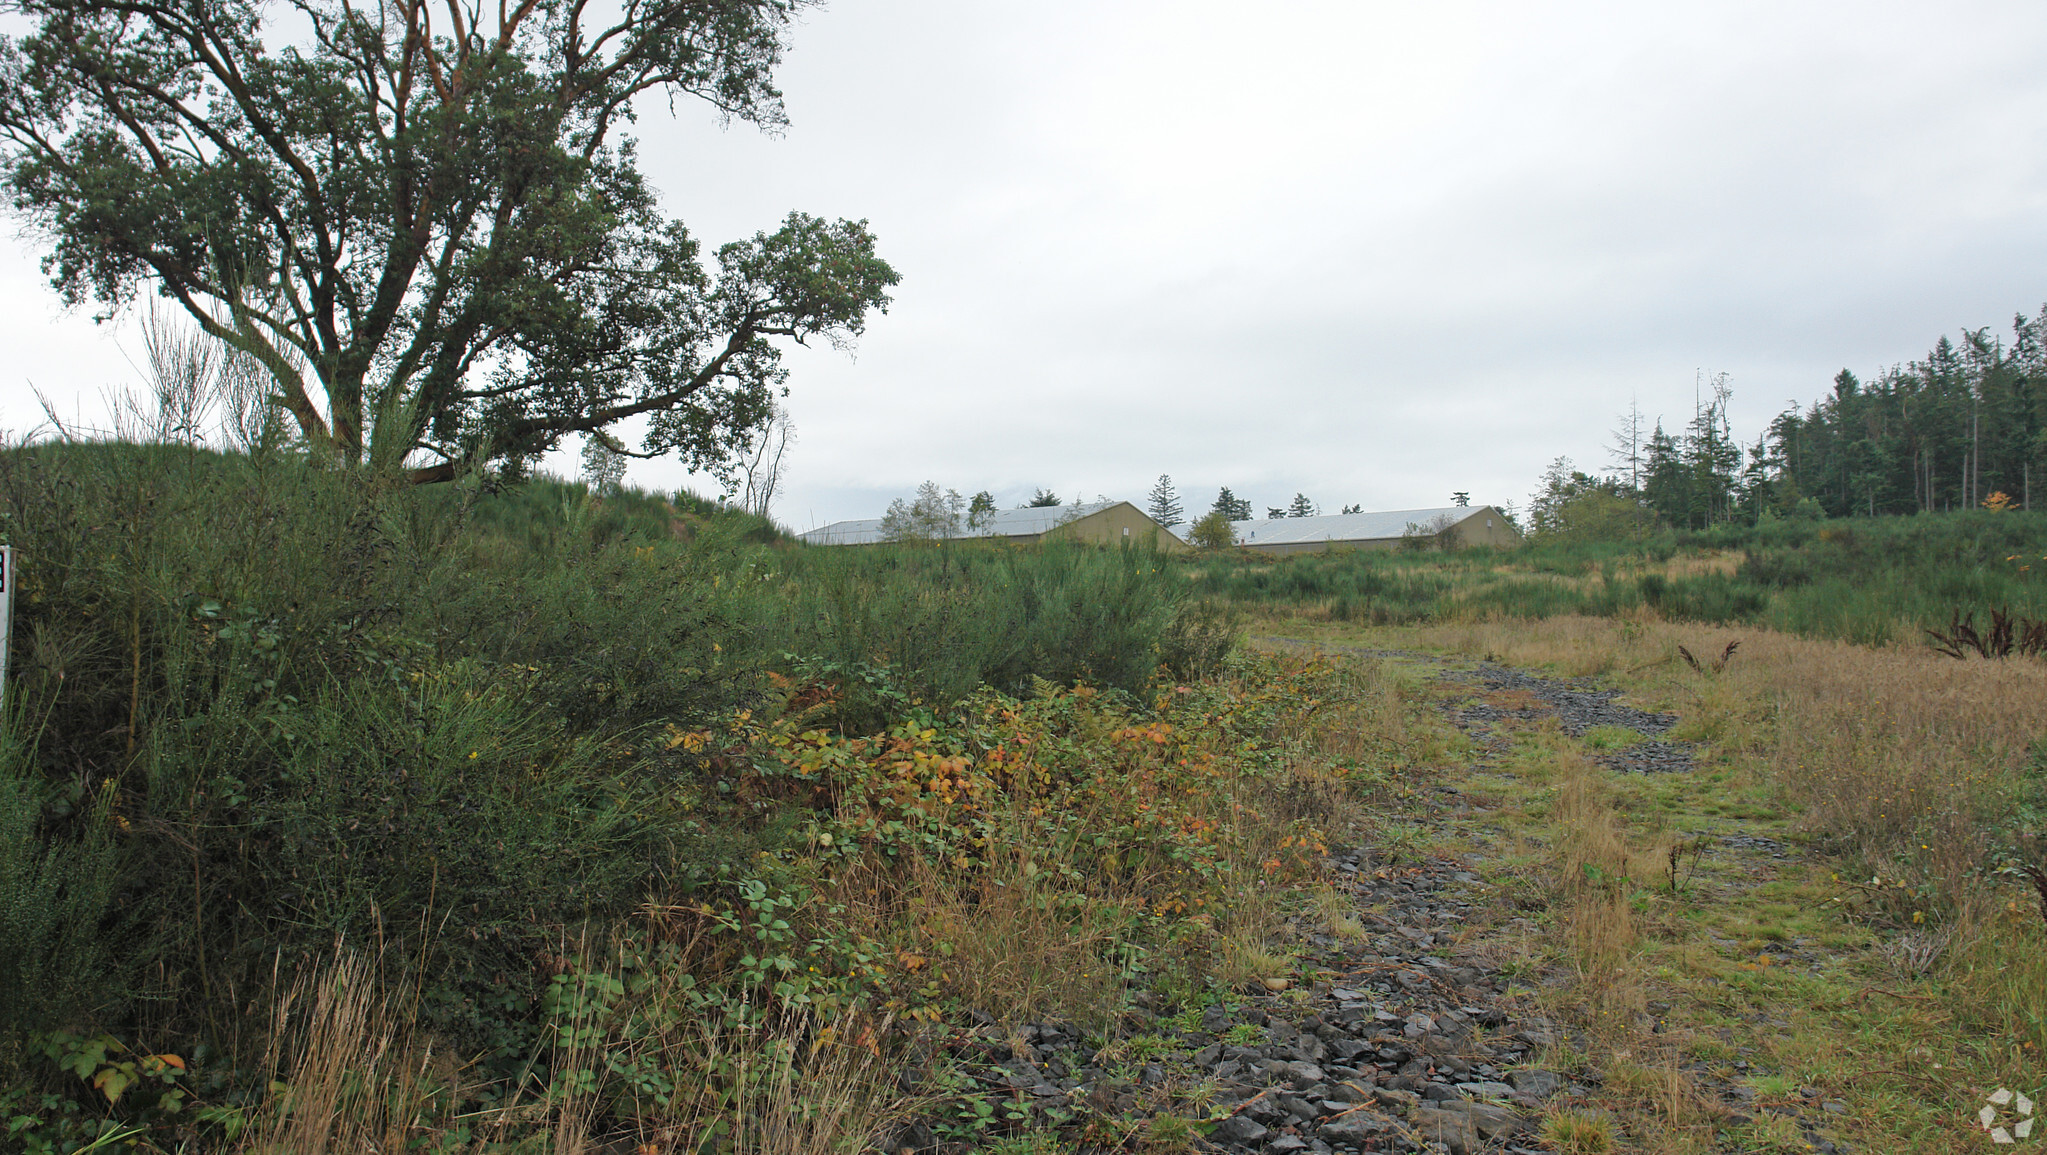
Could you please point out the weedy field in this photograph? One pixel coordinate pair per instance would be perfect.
(1869, 580)
(338, 814)
(1825, 934)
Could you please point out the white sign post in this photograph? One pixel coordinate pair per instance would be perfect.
(6, 617)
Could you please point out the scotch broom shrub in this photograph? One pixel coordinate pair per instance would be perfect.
(313, 706)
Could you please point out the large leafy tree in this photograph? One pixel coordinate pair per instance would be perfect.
(424, 218)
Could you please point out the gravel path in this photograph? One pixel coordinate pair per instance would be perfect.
(1579, 707)
(1405, 1043)
(1407, 1038)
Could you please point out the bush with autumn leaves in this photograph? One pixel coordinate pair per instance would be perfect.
(1124, 825)
(1060, 857)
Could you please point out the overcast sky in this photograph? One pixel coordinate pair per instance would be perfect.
(1371, 252)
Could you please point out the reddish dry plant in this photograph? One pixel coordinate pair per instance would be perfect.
(2008, 634)
(1717, 664)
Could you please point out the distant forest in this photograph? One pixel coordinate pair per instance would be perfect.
(1964, 428)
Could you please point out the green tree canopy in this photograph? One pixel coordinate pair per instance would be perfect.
(1043, 499)
(1572, 505)
(423, 219)
(1301, 507)
(980, 509)
(934, 515)
(1213, 530)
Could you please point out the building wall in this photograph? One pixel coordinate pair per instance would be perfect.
(1121, 524)
(1473, 530)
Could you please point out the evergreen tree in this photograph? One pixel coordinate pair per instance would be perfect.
(1666, 485)
(1164, 504)
(1231, 506)
(1942, 433)
(1301, 507)
(1559, 484)
(1573, 505)
(1043, 499)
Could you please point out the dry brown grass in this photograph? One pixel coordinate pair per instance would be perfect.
(353, 1076)
(800, 1085)
(1723, 562)
(1899, 755)
(1891, 761)
(1667, 1093)
(1595, 867)
(1903, 763)
(1017, 948)
(358, 1078)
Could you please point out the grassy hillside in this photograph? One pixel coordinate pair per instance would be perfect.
(445, 746)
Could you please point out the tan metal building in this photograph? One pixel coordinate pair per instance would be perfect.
(1459, 526)
(1102, 522)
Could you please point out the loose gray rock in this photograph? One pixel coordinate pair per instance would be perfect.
(1453, 1129)
(1491, 1121)
(1298, 1073)
(1349, 1093)
(1352, 1130)
(1541, 1084)
(1237, 1129)
(1265, 1109)
(1486, 1090)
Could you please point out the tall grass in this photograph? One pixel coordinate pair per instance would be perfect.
(1923, 777)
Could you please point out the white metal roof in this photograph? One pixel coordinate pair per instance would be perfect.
(1027, 522)
(1349, 526)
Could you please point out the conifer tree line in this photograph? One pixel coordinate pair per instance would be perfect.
(1954, 431)
(1964, 428)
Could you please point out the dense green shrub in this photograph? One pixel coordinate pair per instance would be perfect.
(261, 706)
(325, 708)
(56, 891)
(950, 617)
